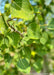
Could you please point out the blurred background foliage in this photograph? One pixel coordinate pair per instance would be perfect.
(18, 55)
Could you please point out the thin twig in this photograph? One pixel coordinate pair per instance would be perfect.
(13, 27)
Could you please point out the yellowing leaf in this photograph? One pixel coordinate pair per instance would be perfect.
(33, 53)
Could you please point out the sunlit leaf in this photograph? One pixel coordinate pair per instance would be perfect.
(19, 6)
(33, 31)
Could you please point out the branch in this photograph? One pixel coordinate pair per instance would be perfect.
(4, 20)
(13, 27)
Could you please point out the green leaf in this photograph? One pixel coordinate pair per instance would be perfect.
(21, 9)
(52, 42)
(1, 38)
(24, 40)
(51, 33)
(7, 9)
(2, 25)
(27, 52)
(23, 65)
(13, 38)
(3, 46)
(7, 57)
(41, 50)
(51, 24)
(7, 65)
(47, 2)
(38, 65)
(36, 0)
(1, 72)
(1, 57)
(48, 17)
(44, 38)
(52, 8)
(6, 41)
(33, 31)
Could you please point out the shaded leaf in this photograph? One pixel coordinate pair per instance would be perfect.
(38, 65)
(13, 38)
(23, 65)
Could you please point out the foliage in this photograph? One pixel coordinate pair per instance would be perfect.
(26, 36)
